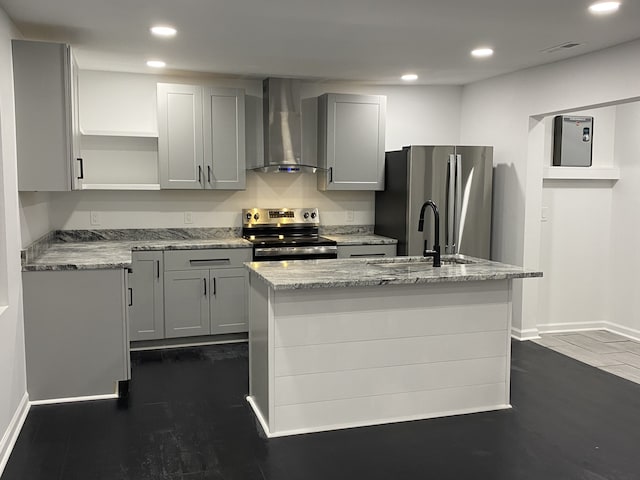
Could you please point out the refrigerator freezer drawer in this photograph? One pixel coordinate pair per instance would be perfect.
(572, 141)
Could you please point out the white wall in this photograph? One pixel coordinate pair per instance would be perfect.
(415, 114)
(499, 112)
(625, 229)
(35, 219)
(576, 236)
(12, 359)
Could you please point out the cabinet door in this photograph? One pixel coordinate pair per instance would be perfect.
(351, 141)
(75, 332)
(146, 313)
(224, 145)
(42, 103)
(180, 146)
(77, 162)
(229, 313)
(186, 303)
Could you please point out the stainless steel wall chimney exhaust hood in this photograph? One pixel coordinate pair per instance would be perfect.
(282, 123)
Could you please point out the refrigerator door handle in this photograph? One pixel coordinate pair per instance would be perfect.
(458, 205)
(450, 239)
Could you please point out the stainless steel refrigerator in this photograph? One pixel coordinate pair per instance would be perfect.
(458, 179)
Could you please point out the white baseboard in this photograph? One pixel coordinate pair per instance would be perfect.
(571, 327)
(13, 430)
(630, 333)
(108, 396)
(522, 335)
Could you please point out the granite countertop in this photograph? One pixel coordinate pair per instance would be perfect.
(382, 271)
(91, 255)
(361, 239)
(103, 249)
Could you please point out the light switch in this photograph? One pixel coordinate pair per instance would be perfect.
(188, 217)
(544, 216)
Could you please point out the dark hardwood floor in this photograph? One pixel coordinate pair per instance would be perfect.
(186, 418)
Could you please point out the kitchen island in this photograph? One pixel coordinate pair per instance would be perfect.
(345, 343)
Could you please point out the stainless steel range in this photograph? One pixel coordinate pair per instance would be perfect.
(286, 234)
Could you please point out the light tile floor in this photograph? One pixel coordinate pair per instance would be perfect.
(598, 348)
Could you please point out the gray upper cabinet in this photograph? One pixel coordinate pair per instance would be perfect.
(180, 147)
(224, 143)
(146, 310)
(351, 140)
(201, 137)
(47, 127)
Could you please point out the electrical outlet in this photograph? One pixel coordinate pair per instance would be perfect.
(350, 216)
(94, 218)
(188, 217)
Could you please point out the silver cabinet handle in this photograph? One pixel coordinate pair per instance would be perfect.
(157, 268)
(130, 296)
(81, 168)
(205, 286)
(199, 173)
(214, 285)
(330, 174)
(209, 173)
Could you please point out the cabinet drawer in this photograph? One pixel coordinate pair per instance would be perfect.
(355, 251)
(208, 258)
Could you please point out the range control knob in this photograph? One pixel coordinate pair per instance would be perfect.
(256, 216)
(248, 215)
(314, 214)
(306, 215)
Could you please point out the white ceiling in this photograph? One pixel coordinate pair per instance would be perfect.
(355, 40)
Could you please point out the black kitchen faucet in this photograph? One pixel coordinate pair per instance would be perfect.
(435, 252)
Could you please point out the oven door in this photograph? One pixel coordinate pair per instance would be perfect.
(275, 254)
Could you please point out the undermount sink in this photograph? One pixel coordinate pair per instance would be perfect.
(416, 265)
(399, 263)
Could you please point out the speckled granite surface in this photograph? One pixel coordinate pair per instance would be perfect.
(386, 271)
(361, 239)
(144, 234)
(345, 229)
(95, 249)
(92, 255)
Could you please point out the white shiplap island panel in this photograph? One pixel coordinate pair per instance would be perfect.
(339, 357)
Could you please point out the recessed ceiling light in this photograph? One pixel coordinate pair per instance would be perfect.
(409, 77)
(156, 64)
(482, 52)
(163, 31)
(600, 8)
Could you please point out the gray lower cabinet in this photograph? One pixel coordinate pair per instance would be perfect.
(228, 300)
(76, 332)
(186, 299)
(146, 281)
(364, 251)
(351, 140)
(205, 292)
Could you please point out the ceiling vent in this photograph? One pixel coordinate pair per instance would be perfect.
(562, 47)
